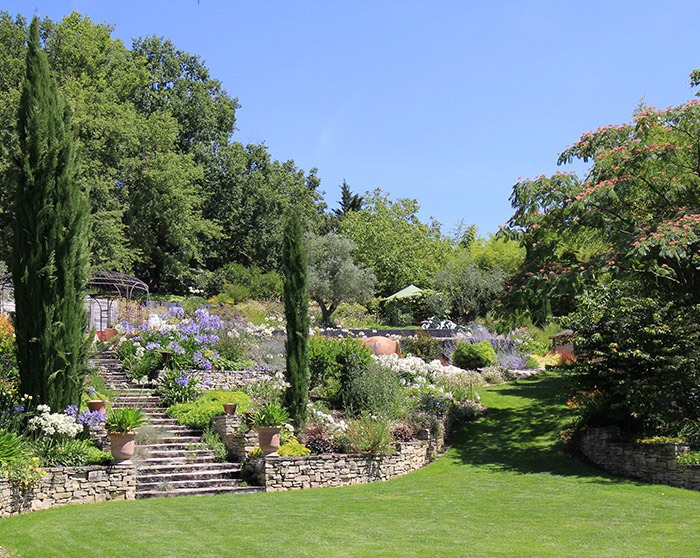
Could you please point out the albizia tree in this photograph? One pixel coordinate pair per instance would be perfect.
(620, 253)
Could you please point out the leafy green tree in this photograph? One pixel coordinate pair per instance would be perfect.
(333, 275)
(394, 243)
(50, 256)
(296, 312)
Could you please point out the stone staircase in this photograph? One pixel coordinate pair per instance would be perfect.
(172, 460)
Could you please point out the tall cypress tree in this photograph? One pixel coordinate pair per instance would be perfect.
(50, 255)
(296, 311)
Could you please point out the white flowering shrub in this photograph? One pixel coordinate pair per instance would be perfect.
(54, 424)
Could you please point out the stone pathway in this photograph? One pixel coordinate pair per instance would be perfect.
(173, 461)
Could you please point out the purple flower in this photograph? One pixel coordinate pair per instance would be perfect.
(175, 347)
(71, 411)
(176, 311)
(18, 408)
(91, 419)
(197, 357)
(206, 364)
(152, 345)
(182, 380)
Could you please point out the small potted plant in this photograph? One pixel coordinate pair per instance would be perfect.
(268, 422)
(230, 408)
(120, 425)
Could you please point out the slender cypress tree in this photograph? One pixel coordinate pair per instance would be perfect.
(296, 311)
(50, 263)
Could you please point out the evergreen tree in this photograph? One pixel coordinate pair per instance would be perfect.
(296, 310)
(348, 201)
(50, 250)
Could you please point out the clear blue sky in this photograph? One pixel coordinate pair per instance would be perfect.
(448, 102)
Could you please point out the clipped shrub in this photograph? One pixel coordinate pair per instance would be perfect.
(423, 346)
(198, 413)
(473, 355)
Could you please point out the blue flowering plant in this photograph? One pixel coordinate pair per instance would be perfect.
(172, 340)
(177, 387)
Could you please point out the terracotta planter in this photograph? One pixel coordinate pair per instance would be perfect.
(97, 405)
(122, 445)
(230, 408)
(269, 439)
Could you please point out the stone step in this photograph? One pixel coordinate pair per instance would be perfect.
(158, 447)
(178, 453)
(218, 467)
(178, 459)
(197, 475)
(171, 485)
(198, 492)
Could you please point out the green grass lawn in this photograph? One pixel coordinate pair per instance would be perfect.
(506, 488)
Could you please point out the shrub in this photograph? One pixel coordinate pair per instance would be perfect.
(215, 444)
(690, 432)
(177, 387)
(423, 346)
(402, 433)
(496, 374)
(293, 448)
(473, 355)
(73, 453)
(354, 315)
(466, 411)
(198, 413)
(368, 434)
(374, 390)
(461, 384)
(318, 443)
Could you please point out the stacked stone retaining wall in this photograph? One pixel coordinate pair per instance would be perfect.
(69, 485)
(655, 463)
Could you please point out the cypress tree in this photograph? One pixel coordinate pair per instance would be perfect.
(50, 250)
(296, 311)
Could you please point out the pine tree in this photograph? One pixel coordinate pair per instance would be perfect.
(348, 201)
(296, 311)
(50, 248)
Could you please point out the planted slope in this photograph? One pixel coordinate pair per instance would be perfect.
(505, 489)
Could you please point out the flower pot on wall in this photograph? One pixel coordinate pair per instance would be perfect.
(123, 445)
(269, 439)
(230, 408)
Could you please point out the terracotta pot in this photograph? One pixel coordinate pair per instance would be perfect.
(97, 405)
(269, 439)
(110, 333)
(122, 445)
(230, 408)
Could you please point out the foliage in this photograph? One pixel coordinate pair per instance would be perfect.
(373, 390)
(198, 413)
(236, 283)
(270, 415)
(402, 433)
(354, 315)
(469, 355)
(177, 387)
(640, 355)
(689, 459)
(332, 362)
(422, 345)
(690, 432)
(50, 243)
(293, 448)
(124, 419)
(392, 241)
(333, 275)
(471, 291)
(215, 444)
(406, 311)
(72, 453)
(367, 434)
(467, 411)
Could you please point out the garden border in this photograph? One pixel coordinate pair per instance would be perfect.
(655, 463)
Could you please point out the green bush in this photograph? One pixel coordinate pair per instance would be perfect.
(11, 446)
(473, 355)
(177, 387)
(332, 362)
(198, 413)
(374, 390)
(235, 283)
(401, 312)
(367, 434)
(73, 453)
(354, 315)
(293, 448)
(423, 346)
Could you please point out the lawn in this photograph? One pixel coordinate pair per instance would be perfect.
(506, 488)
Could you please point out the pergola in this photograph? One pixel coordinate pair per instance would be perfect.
(104, 287)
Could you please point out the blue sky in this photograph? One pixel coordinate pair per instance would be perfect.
(448, 102)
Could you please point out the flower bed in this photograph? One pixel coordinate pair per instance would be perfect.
(69, 485)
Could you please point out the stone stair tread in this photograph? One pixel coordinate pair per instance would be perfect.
(186, 483)
(199, 492)
(203, 474)
(169, 468)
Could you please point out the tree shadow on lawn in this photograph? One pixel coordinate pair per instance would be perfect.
(521, 431)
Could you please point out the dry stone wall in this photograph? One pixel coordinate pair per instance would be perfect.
(655, 463)
(69, 485)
